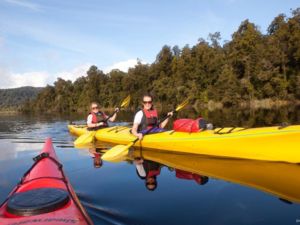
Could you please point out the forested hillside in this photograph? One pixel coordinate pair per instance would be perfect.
(251, 66)
(15, 97)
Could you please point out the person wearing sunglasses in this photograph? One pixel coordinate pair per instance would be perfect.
(148, 170)
(147, 119)
(98, 119)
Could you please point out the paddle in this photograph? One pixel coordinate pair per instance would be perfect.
(120, 151)
(89, 136)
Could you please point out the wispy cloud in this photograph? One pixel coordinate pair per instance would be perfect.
(123, 65)
(36, 79)
(25, 4)
(75, 73)
(57, 36)
(12, 80)
(42, 78)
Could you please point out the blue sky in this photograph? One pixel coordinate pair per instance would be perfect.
(43, 39)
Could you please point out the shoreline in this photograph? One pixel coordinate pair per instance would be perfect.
(9, 112)
(210, 105)
(254, 104)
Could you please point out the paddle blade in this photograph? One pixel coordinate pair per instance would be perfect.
(182, 105)
(126, 102)
(117, 152)
(85, 139)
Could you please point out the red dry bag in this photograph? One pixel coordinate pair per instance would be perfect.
(189, 125)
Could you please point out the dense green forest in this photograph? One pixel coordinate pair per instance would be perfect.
(13, 98)
(251, 67)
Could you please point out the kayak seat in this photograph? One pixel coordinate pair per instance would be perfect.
(37, 201)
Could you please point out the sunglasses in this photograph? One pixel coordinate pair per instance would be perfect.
(147, 102)
(150, 183)
(95, 107)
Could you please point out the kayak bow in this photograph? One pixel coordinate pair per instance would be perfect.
(44, 195)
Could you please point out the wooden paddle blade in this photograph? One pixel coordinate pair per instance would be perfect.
(117, 152)
(126, 102)
(86, 138)
(182, 105)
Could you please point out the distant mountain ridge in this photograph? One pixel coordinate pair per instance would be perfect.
(13, 97)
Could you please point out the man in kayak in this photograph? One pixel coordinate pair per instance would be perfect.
(98, 119)
(146, 119)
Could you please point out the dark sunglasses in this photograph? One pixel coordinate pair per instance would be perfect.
(149, 102)
(150, 183)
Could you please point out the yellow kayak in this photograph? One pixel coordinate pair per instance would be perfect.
(277, 178)
(266, 143)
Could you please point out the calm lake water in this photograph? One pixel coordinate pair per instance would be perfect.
(190, 190)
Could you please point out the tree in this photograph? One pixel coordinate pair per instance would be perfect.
(227, 88)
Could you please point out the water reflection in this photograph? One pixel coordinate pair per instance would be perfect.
(115, 194)
(96, 153)
(279, 179)
(148, 171)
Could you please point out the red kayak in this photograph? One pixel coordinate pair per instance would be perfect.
(44, 195)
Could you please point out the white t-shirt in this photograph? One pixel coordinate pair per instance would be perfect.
(141, 170)
(89, 119)
(138, 117)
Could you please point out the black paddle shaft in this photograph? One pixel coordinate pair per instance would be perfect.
(110, 116)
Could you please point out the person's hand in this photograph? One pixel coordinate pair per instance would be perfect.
(100, 124)
(170, 114)
(138, 161)
(140, 136)
(117, 110)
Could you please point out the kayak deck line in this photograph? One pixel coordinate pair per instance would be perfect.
(116, 129)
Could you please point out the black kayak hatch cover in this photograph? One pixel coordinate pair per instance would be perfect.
(37, 201)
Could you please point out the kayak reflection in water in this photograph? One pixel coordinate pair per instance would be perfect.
(98, 119)
(201, 180)
(148, 171)
(96, 155)
(147, 119)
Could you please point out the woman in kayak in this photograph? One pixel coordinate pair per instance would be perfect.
(98, 119)
(147, 119)
(148, 170)
(96, 156)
